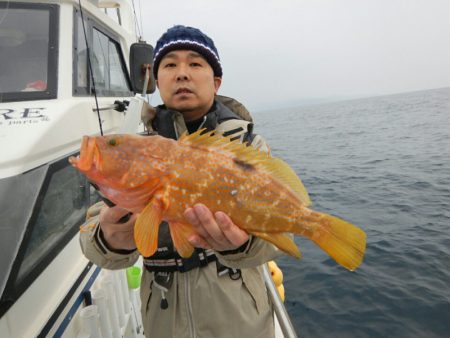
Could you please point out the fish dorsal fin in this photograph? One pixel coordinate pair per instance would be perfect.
(212, 139)
(249, 156)
(285, 174)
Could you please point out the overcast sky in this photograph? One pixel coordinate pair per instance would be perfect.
(280, 53)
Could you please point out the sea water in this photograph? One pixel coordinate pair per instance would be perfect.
(382, 163)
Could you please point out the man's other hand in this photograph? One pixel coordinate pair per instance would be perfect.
(217, 232)
(118, 236)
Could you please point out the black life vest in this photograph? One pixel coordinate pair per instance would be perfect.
(166, 258)
(163, 122)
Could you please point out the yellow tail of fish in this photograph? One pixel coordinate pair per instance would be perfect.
(343, 241)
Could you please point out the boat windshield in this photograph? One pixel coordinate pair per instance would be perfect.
(41, 211)
(28, 36)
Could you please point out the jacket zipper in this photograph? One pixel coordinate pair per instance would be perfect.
(188, 305)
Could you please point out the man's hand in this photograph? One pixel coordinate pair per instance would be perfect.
(118, 236)
(217, 232)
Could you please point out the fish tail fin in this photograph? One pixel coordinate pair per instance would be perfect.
(343, 241)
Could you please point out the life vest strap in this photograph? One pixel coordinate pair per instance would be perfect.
(175, 263)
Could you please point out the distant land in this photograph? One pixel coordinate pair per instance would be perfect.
(325, 100)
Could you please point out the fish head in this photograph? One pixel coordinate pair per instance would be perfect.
(118, 161)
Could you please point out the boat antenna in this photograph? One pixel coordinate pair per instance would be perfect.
(140, 17)
(91, 73)
(136, 21)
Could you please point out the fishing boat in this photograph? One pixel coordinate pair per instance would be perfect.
(50, 52)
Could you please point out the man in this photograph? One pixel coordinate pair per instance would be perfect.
(219, 291)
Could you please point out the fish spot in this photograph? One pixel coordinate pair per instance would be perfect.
(233, 192)
(248, 219)
(244, 165)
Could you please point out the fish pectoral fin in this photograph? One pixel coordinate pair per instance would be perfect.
(281, 241)
(146, 228)
(180, 232)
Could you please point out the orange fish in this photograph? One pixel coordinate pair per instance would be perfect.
(159, 178)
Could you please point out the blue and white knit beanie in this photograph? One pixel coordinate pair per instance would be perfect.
(189, 38)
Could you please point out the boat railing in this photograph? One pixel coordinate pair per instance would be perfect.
(280, 311)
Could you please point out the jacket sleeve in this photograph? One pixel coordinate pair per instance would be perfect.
(95, 249)
(257, 250)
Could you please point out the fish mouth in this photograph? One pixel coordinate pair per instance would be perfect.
(88, 155)
(183, 90)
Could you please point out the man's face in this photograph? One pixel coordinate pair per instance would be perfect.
(186, 83)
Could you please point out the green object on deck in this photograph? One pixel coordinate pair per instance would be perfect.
(134, 277)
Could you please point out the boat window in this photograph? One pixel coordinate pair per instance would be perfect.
(47, 218)
(28, 51)
(81, 81)
(118, 80)
(110, 73)
(64, 201)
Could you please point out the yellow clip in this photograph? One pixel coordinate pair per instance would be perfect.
(87, 228)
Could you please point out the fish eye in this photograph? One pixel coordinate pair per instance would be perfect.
(112, 142)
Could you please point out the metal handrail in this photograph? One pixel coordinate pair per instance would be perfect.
(280, 310)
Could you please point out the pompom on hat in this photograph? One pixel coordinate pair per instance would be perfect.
(188, 38)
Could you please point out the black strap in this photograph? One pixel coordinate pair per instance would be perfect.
(234, 274)
(175, 263)
(249, 136)
(232, 131)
